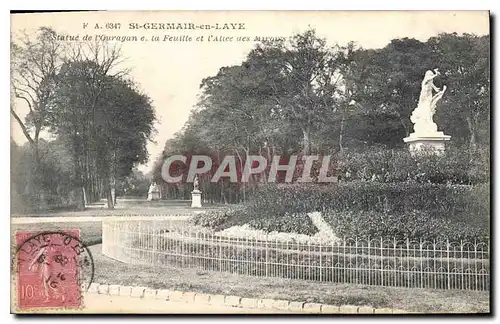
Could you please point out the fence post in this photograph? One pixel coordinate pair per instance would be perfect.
(421, 256)
(381, 261)
(448, 263)
(267, 255)
(369, 262)
(320, 261)
(183, 241)
(395, 270)
(356, 273)
(220, 253)
(434, 264)
(409, 274)
(344, 259)
(475, 266)
(487, 283)
(236, 260)
(141, 240)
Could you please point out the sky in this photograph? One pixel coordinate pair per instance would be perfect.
(171, 72)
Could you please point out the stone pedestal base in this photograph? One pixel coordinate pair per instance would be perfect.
(196, 198)
(431, 143)
(153, 196)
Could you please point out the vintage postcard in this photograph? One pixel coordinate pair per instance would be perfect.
(231, 162)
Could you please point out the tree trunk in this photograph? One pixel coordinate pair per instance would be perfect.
(80, 200)
(242, 184)
(307, 140)
(341, 135)
(85, 199)
(109, 197)
(223, 198)
(472, 132)
(33, 174)
(112, 190)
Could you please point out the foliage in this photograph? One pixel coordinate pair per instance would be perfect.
(288, 223)
(76, 92)
(35, 62)
(447, 200)
(284, 207)
(107, 125)
(219, 219)
(414, 225)
(455, 166)
(304, 95)
(134, 185)
(464, 62)
(244, 214)
(54, 190)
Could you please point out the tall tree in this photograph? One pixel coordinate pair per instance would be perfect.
(35, 62)
(127, 127)
(302, 77)
(108, 133)
(464, 62)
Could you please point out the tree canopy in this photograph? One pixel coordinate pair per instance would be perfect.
(304, 96)
(80, 95)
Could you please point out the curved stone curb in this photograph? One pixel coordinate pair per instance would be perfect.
(236, 301)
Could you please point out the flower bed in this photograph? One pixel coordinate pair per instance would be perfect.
(324, 235)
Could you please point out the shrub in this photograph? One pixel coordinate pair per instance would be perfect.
(366, 196)
(222, 219)
(245, 214)
(412, 209)
(415, 225)
(455, 166)
(289, 223)
(272, 207)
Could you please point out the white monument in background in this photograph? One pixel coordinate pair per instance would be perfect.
(425, 133)
(196, 193)
(153, 192)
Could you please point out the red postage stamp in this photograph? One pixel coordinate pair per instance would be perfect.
(53, 269)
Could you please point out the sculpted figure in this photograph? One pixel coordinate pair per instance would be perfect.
(196, 183)
(422, 116)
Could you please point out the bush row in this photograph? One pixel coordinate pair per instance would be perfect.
(449, 201)
(401, 210)
(415, 226)
(455, 166)
(243, 214)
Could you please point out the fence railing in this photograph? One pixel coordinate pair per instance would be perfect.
(381, 262)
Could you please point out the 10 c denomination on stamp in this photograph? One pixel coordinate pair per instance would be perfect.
(53, 269)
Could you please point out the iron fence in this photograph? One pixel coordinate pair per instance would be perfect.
(381, 262)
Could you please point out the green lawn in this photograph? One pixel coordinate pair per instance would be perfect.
(90, 232)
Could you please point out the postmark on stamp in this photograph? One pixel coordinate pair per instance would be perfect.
(53, 269)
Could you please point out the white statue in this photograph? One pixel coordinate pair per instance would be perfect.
(196, 193)
(196, 183)
(422, 116)
(153, 192)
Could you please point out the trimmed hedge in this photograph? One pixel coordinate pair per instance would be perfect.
(381, 193)
(243, 214)
(438, 200)
(455, 166)
(415, 225)
(221, 219)
(364, 209)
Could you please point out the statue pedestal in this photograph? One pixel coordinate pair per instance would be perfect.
(196, 198)
(153, 195)
(428, 142)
